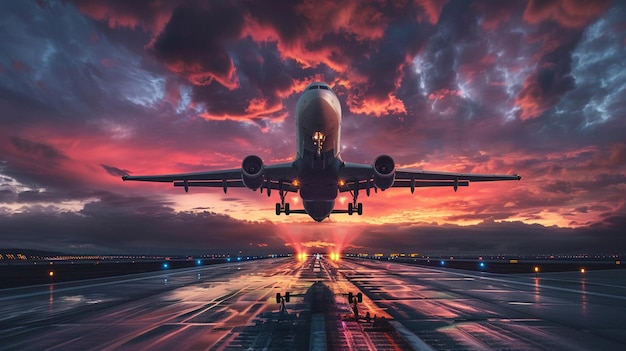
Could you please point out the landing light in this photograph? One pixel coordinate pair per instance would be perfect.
(342, 183)
(317, 136)
(295, 183)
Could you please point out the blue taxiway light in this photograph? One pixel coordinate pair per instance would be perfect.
(166, 265)
(482, 265)
(228, 259)
(443, 263)
(198, 262)
(238, 258)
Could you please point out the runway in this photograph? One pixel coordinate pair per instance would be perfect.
(233, 306)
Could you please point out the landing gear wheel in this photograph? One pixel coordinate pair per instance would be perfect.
(287, 213)
(359, 209)
(278, 209)
(350, 209)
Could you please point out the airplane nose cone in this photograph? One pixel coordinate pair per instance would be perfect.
(318, 113)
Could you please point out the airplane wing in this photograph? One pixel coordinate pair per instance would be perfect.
(275, 177)
(361, 177)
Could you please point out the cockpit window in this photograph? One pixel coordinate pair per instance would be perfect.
(325, 87)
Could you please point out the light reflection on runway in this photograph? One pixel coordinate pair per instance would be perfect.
(233, 306)
(451, 309)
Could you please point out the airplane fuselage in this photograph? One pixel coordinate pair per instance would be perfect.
(318, 132)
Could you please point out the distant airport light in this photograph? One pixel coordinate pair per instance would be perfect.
(442, 263)
(228, 259)
(482, 265)
(582, 270)
(166, 265)
(334, 256)
(536, 269)
(51, 274)
(198, 262)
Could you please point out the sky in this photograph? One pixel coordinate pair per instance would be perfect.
(90, 91)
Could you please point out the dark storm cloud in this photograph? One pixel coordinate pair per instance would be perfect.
(114, 171)
(497, 237)
(567, 13)
(38, 151)
(148, 14)
(34, 163)
(37, 196)
(193, 43)
(119, 224)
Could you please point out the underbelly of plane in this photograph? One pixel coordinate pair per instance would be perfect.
(318, 191)
(319, 210)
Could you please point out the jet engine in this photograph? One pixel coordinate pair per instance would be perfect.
(384, 172)
(252, 172)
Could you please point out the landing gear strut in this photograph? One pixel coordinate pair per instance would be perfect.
(355, 206)
(282, 206)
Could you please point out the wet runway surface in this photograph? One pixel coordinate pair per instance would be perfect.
(233, 306)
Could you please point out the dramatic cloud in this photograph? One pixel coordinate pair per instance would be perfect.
(90, 91)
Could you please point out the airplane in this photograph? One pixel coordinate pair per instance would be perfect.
(318, 172)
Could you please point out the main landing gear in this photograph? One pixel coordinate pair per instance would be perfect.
(282, 207)
(355, 206)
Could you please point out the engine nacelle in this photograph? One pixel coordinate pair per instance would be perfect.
(252, 172)
(384, 172)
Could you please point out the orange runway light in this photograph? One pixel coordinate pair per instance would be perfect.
(582, 270)
(51, 274)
